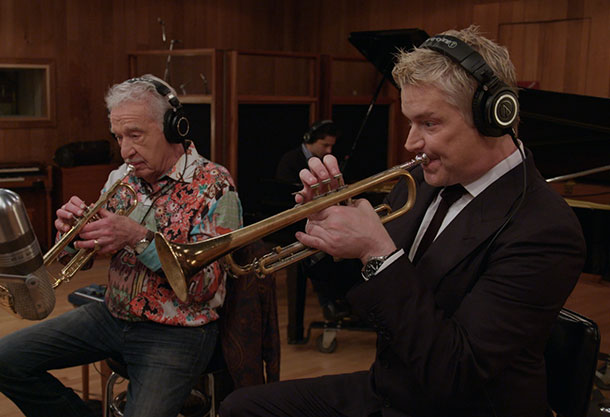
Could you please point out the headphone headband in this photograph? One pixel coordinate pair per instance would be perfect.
(495, 105)
(461, 53)
(175, 124)
(309, 136)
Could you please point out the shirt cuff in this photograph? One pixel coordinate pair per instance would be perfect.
(390, 260)
(150, 258)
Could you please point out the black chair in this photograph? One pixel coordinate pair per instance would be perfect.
(571, 361)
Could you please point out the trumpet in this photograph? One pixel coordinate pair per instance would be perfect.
(180, 261)
(90, 214)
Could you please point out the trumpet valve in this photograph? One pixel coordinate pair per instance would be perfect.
(339, 178)
(326, 185)
(341, 182)
(322, 188)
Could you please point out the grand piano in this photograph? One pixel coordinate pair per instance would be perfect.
(568, 134)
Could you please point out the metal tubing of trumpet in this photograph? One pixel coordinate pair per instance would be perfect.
(75, 264)
(282, 257)
(182, 261)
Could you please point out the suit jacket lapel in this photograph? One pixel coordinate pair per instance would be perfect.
(473, 226)
(404, 228)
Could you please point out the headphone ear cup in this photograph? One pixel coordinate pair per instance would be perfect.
(503, 109)
(175, 125)
(494, 113)
(307, 137)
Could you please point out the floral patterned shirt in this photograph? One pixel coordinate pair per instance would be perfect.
(195, 200)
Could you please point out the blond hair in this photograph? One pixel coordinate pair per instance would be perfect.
(426, 67)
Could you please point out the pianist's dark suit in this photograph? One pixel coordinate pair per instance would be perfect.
(459, 334)
(291, 163)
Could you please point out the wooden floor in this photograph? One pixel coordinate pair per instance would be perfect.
(355, 350)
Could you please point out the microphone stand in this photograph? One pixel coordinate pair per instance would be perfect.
(19, 278)
(579, 174)
(32, 283)
(582, 203)
(168, 61)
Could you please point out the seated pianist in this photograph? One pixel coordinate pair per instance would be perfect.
(165, 341)
(464, 288)
(330, 280)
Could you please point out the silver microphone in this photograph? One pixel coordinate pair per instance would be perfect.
(25, 289)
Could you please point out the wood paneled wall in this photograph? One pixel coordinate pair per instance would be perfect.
(89, 42)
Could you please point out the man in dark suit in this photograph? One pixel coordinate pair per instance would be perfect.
(461, 324)
(330, 280)
(318, 141)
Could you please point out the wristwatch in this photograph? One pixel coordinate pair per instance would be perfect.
(143, 244)
(372, 266)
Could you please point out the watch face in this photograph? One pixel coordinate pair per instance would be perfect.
(371, 267)
(141, 245)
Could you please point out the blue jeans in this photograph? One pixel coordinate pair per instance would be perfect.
(163, 361)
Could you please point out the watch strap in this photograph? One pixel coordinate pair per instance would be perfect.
(150, 235)
(143, 243)
(372, 266)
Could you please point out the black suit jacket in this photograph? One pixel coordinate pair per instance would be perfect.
(463, 333)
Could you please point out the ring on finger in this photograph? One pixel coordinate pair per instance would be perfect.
(96, 245)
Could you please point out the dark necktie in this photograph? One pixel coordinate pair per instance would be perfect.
(448, 196)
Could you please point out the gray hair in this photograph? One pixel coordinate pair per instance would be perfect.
(140, 89)
(427, 67)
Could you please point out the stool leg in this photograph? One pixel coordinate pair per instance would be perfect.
(108, 394)
(85, 378)
(603, 376)
(105, 374)
(212, 394)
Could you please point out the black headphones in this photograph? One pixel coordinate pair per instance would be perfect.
(311, 135)
(175, 123)
(495, 105)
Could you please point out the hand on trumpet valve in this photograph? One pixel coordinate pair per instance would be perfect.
(321, 178)
(69, 213)
(111, 233)
(353, 230)
(347, 232)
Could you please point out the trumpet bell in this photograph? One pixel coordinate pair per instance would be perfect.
(185, 260)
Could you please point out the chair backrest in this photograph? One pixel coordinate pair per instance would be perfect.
(571, 361)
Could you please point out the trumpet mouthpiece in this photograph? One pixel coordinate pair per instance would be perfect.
(422, 158)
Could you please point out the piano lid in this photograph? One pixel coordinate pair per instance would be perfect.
(567, 133)
(381, 46)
